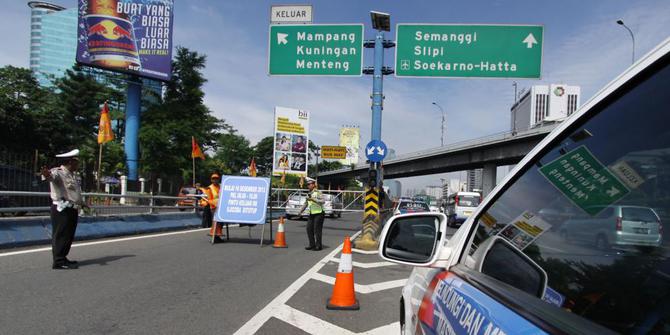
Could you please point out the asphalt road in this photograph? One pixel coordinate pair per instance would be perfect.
(174, 283)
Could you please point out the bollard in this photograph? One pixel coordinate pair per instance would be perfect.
(368, 240)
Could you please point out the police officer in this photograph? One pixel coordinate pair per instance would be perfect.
(66, 201)
(212, 192)
(314, 203)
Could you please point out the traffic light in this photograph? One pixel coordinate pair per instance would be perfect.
(372, 178)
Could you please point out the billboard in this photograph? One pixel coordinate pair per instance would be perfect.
(129, 36)
(350, 137)
(333, 152)
(291, 142)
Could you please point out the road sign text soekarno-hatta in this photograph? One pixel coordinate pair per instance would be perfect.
(485, 51)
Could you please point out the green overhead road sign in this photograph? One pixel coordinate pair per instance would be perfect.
(485, 51)
(584, 180)
(316, 49)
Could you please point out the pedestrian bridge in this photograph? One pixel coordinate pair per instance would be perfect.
(486, 153)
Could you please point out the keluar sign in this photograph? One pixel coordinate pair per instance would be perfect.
(129, 36)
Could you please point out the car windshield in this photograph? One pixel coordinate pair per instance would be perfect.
(415, 206)
(188, 190)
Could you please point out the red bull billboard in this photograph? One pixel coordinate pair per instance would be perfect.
(129, 36)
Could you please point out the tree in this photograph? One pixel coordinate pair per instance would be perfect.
(262, 152)
(233, 151)
(165, 135)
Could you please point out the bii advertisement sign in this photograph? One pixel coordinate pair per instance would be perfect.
(130, 36)
(291, 141)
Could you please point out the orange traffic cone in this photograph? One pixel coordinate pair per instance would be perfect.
(280, 240)
(344, 296)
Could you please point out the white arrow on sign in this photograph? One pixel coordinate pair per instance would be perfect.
(281, 38)
(530, 40)
(371, 150)
(380, 151)
(613, 191)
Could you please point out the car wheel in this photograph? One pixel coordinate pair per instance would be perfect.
(339, 214)
(601, 242)
(289, 217)
(646, 249)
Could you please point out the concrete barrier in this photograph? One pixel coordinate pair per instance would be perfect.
(32, 231)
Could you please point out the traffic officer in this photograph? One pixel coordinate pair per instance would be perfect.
(314, 202)
(212, 192)
(66, 200)
(201, 194)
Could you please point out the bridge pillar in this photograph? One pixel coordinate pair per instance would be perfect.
(488, 179)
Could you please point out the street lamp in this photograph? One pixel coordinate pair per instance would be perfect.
(317, 153)
(620, 22)
(442, 127)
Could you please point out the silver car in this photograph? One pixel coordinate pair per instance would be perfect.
(616, 226)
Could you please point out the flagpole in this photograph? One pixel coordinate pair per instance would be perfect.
(193, 158)
(99, 167)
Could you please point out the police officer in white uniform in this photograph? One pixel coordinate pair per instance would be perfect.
(66, 201)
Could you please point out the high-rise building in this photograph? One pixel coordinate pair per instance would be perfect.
(434, 192)
(475, 181)
(53, 40)
(544, 104)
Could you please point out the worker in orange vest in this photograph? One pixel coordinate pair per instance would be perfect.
(212, 192)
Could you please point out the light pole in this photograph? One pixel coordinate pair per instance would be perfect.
(442, 127)
(620, 22)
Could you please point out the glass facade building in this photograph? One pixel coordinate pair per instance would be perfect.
(53, 40)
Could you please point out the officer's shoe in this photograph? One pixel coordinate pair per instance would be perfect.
(311, 247)
(64, 266)
(319, 248)
(68, 261)
(218, 239)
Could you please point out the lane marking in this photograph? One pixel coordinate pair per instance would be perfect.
(371, 265)
(384, 330)
(365, 252)
(364, 289)
(310, 323)
(275, 306)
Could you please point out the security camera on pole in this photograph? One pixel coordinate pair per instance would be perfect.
(376, 150)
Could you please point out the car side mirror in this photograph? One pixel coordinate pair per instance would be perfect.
(413, 239)
(500, 259)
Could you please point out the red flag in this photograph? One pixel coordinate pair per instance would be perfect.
(252, 168)
(105, 133)
(195, 149)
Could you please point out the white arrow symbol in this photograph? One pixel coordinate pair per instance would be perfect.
(380, 151)
(613, 191)
(281, 38)
(530, 40)
(371, 150)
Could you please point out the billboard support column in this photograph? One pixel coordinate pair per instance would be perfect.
(133, 105)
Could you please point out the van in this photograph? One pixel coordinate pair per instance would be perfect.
(519, 264)
(460, 206)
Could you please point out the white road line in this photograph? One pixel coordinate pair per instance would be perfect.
(371, 265)
(308, 322)
(275, 306)
(393, 328)
(364, 289)
(84, 244)
(365, 252)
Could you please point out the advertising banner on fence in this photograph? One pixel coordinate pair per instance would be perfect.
(291, 142)
(350, 137)
(130, 36)
(243, 200)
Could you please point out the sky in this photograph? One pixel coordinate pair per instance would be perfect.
(583, 46)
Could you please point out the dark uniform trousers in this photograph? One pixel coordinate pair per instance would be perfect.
(64, 225)
(314, 229)
(206, 216)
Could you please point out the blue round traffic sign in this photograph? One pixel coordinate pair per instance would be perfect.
(375, 151)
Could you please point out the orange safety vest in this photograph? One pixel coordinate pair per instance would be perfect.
(203, 201)
(213, 195)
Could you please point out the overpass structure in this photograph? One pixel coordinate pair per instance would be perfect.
(486, 153)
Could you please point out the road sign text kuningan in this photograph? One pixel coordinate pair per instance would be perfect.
(314, 49)
(486, 51)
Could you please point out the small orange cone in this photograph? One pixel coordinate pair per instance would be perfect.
(344, 296)
(280, 239)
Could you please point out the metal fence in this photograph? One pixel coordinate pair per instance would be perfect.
(352, 201)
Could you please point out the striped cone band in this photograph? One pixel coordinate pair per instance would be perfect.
(346, 263)
(280, 228)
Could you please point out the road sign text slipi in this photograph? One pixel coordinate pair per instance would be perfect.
(486, 51)
(314, 49)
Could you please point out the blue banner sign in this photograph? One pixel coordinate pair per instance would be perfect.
(243, 200)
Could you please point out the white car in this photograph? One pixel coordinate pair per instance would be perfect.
(518, 264)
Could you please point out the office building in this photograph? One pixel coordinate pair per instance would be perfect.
(53, 40)
(543, 104)
(434, 192)
(474, 180)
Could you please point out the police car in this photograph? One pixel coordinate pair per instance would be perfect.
(509, 270)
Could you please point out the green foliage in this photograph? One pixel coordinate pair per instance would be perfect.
(233, 151)
(262, 151)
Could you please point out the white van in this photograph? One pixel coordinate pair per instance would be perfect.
(515, 267)
(460, 206)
